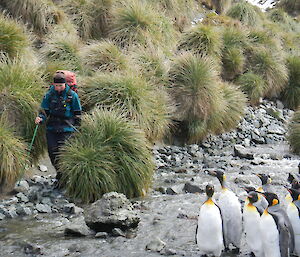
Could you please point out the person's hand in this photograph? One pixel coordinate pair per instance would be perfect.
(38, 120)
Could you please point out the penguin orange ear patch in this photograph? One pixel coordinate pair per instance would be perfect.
(298, 197)
(274, 202)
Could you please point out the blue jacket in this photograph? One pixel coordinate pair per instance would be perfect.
(61, 110)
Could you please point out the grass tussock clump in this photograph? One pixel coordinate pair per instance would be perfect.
(13, 40)
(63, 48)
(271, 66)
(152, 63)
(291, 94)
(202, 39)
(294, 133)
(194, 89)
(109, 154)
(20, 95)
(234, 108)
(135, 96)
(291, 6)
(137, 22)
(91, 17)
(233, 58)
(104, 56)
(39, 15)
(253, 85)
(13, 155)
(246, 13)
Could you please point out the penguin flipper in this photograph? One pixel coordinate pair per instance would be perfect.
(223, 232)
(297, 203)
(196, 234)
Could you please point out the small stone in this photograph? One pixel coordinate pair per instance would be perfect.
(21, 186)
(168, 252)
(43, 168)
(117, 232)
(43, 208)
(101, 235)
(2, 216)
(32, 249)
(155, 245)
(171, 191)
(190, 188)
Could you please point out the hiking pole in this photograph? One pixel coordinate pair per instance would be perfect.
(72, 126)
(29, 151)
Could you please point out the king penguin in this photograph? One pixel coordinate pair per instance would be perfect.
(209, 232)
(293, 212)
(265, 183)
(276, 230)
(251, 218)
(231, 213)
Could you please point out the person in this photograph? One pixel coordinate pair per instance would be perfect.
(61, 111)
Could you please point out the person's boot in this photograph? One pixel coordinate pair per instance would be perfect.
(57, 183)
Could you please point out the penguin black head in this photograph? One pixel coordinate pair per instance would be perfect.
(296, 184)
(209, 190)
(271, 198)
(248, 189)
(265, 179)
(220, 175)
(291, 178)
(253, 197)
(294, 193)
(299, 168)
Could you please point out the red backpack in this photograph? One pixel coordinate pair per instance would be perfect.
(70, 79)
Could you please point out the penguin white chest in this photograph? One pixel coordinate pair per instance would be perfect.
(293, 215)
(209, 233)
(232, 217)
(252, 229)
(270, 236)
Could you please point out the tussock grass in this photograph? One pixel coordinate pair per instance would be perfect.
(62, 48)
(182, 12)
(294, 133)
(194, 89)
(253, 85)
(291, 94)
(221, 6)
(39, 15)
(291, 6)
(152, 64)
(13, 155)
(234, 108)
(271, 66)
(233, 59)
(91, 17)
(246, 13)
(214, 19)
(20, 95)
(13, 39)
(135, 96)
(109, 154)
(104, 56)
(137, 22)
(202, 39)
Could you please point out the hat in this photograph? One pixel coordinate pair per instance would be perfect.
(59, 78)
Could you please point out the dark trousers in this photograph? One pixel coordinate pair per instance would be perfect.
(55, 141)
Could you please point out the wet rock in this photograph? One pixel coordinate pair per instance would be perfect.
(113, 210)
(155, 245)
(22, 198)
(243, 181)
(171, 191)
(168, 252)
(78, 228)
(32, 249)
(10, 212)
(69, 208)
(23, 211)
(21, 186)
(117, 232)
(276, 129)
(2, 216)
(43, 208)
(190, 188)
(242, 152)
(43, 168)
(160, 189)
(101, 235)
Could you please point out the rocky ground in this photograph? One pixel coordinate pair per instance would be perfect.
(39, 220)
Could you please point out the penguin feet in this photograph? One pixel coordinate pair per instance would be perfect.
(252, 254)
(226, 249)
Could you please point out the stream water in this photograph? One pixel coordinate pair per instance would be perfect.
(171, 218)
